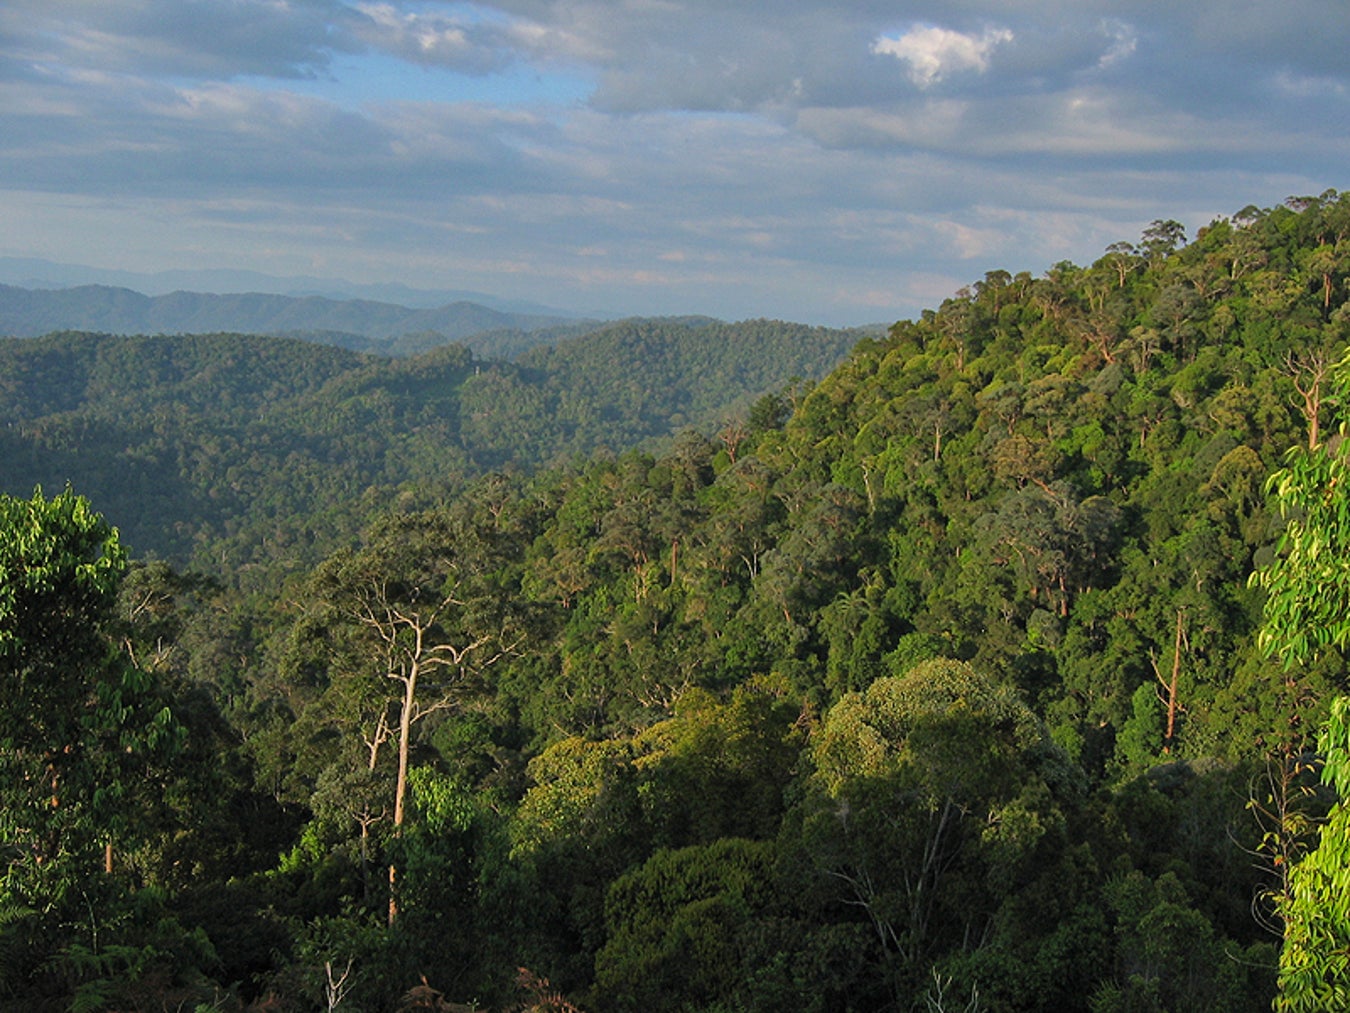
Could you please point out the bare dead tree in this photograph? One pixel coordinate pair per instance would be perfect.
(1308, 370)
(426, 668)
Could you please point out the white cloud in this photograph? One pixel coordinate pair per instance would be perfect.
(463, 44)
(969, 242)
(935, 53)
(1300, 87)
(1123, 42)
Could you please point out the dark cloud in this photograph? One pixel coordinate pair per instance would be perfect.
(183, 38)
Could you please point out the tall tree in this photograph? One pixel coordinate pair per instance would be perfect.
(76, 716)
(414, 614)
(927, 788)
(84, 735)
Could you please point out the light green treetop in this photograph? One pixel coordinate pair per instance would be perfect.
(1308, 603)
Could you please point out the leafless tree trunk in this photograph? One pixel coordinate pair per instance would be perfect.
(1308, 370)
(412, 652)
(1170, 695)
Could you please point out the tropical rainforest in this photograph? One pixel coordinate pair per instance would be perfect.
(627, 676)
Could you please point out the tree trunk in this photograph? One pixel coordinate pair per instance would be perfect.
(1172, 687)
(365, 862)
(401, 785)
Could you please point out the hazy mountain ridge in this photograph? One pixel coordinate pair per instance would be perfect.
(36, 273)
(361, 324)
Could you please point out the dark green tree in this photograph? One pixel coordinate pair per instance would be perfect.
(78, 720)
(85, 737)
(931, 794)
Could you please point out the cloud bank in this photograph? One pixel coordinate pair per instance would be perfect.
(823, 161)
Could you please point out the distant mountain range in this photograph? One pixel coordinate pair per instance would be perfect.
(359, 324)
(33, 272)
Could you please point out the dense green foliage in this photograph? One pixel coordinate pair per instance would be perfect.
(1314, 963)
(1307, 612)
(239, 453)
(87, 738)
(936, 684)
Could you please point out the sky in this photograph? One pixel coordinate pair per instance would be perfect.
(826, 162)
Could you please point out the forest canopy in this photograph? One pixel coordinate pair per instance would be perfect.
(210, 449)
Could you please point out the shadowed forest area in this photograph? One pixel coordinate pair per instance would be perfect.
(930, 681)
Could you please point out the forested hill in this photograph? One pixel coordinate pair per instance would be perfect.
(359, 324)
(625, 382)
(219, 443)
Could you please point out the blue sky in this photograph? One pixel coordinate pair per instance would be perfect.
(827, 162)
